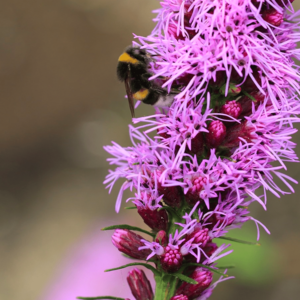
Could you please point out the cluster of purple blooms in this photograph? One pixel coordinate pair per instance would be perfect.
(195, 167)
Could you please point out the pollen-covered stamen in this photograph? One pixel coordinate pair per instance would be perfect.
(232, 108)
(216, 134)
(192, 196)
(272, 16)
(171, 260)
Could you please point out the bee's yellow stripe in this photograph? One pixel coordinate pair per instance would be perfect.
(125, 57)
(141, 94)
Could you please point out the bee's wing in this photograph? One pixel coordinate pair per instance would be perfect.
(158, 89)
(129, 93)
(163, 91)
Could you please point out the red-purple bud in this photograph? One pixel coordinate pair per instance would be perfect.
(171, 260)
(233, 90)
(161, 238)
(200, 236)
(180, 297)
(192, 195)
(155, 219)
(272, 16)
(128, 242)
(216, 134)
(197, 144)
(232, 108)
(139, 285)
(203, 277)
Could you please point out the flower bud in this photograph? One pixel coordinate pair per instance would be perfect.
(128, 242)
(161, 238)
(200, 236)
(203, 277)
(180, 297)
(171, 260)
(233, 90)
(272, 16)
(192, 196)
(155, 219)
(232, 108)
(139, 285)
(216, 134)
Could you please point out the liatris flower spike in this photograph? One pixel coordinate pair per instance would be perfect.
(195, 166)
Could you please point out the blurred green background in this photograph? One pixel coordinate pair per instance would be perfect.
(60, 103)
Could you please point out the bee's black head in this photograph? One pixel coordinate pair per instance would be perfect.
(138, 53)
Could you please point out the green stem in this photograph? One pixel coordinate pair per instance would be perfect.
(165, 287)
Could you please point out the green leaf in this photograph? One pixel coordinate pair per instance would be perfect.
(155, 272)
(125, 226)
(165, 287)
(203, 266)
(170, 210)
(184, 278)
(100, 297)
(289, 21)
(238, 241)
(249, 96)
(130, 207)
(226, 267)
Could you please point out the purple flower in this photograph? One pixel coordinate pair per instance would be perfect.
(197, 165)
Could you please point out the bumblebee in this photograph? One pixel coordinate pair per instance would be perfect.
(132, 69)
